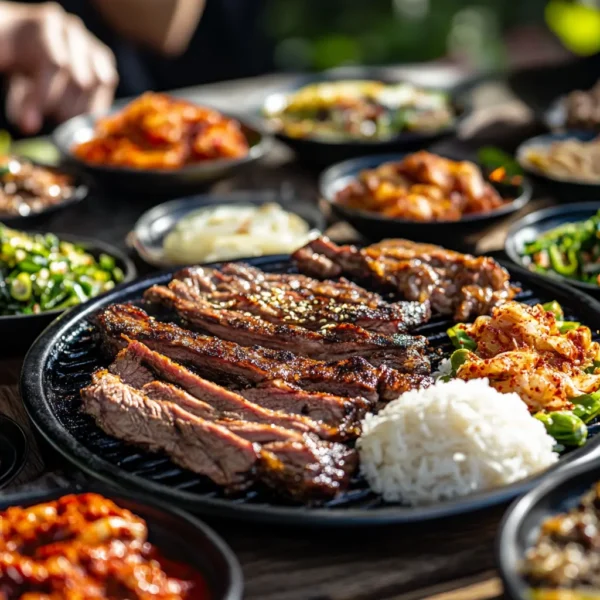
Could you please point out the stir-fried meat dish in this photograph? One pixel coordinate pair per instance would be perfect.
(266, 382)
(582, 108)
(453, 283)
(525, 349)
(565, 555)
(85, 546)
(422, 187)
(156, 131)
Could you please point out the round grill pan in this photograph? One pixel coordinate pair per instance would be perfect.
(63, 358)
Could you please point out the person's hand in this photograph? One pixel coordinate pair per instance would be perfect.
(56, 68)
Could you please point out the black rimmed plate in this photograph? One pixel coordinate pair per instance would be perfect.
(17, 332)
(81, 190)
(155, 181)
(561, 188)
(149, 233)
(324, 152)
(377, 227)
(530, 227)
(63, 358)
(520, 526)
(178, 536)
(13, 450)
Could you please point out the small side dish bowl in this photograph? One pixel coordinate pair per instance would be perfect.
(188, 179)
(22, 329)
(376, 227)
(322, 152)
(563, 189)
(150, 231)
(530, 227)
(519, 529)
(178, 536)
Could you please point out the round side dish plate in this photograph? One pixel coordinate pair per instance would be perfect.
(19, 331)
(530, 227)
(176, 534)
(155, 181)
(377, 227)
(14, 449)
(521, 524)
(148, 234)
(61, 361)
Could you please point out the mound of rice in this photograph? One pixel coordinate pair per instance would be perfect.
(450, 440)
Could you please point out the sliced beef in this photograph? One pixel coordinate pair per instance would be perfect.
(313, 312)
(221, 399)
(213, 450)
(192, 443)
(454, 283)
(283, 466)
(400, 351)
(242, 278)
(239, 365)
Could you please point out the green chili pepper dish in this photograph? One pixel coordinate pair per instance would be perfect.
(571, 250)
(41, 273)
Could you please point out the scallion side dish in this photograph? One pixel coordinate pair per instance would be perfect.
(39, 272)
(571, 250)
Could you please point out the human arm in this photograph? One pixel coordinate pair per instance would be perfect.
(165, 26)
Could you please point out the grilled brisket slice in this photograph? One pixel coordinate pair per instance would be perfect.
(237, 364)
(213, 450)
(400, 351)
(454, 283)
(193, 443)
(276, 394)
(251, 431)
(314, 312)
(283, 466)
(223, 401)
(243, 279)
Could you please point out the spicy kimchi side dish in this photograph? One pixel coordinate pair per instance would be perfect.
(563, 562)
(156, 131)
(360, 110)
(422, 187)
(86, 546)
(296, 383)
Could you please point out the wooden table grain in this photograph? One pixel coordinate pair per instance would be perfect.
(446, 560)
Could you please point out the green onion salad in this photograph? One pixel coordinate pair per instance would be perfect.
(571, 250)
(39, 272)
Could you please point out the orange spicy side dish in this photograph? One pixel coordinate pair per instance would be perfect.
(156, 131)
(83, 547)
(422, 187)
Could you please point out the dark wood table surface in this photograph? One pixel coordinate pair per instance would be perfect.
(449, 559)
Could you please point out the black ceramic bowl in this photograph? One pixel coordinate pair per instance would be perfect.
(19, 331)
(521, 523)
(377, 227)
(178, 536)
(149, 232)
(154, 181)
(563, 189)
(81, 188)
(322, 153)
(533, 225)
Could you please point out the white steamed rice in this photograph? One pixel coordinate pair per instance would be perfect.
(450, 440)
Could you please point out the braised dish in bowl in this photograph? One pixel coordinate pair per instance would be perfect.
(101, 544)
(419, 194)
(159, 140)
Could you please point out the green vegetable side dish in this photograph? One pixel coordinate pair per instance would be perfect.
(39, 273)
(571, 250)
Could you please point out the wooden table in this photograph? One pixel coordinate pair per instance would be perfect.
(445, 560)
